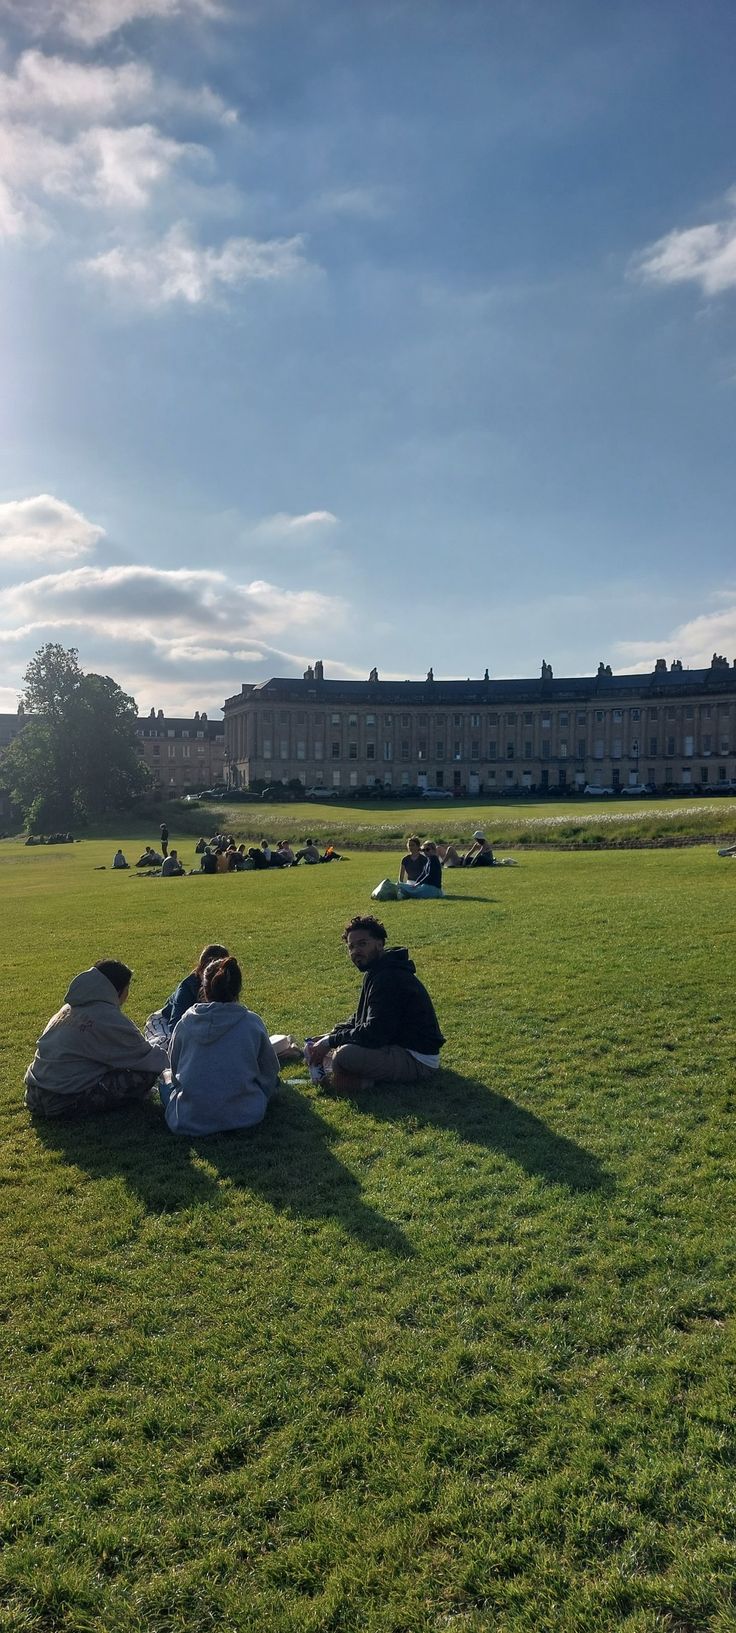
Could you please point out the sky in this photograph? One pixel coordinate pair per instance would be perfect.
(391, 332)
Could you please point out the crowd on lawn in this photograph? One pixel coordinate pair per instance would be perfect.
(210, 1057)
(220, 854)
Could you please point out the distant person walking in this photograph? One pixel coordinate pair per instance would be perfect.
(164, 840)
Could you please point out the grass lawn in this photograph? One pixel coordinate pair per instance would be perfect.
(437, 1361)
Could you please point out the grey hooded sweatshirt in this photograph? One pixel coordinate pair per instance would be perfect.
(87, 1037)
(223, 1070)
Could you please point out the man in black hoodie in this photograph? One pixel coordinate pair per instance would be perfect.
(393, 1037)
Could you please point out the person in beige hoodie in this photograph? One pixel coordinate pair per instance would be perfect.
(90, 1057)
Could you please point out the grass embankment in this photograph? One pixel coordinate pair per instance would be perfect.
(441, 1360)
(510, 827)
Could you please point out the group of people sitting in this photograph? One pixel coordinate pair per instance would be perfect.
(420, 871)
(220, 854)
(212, 1060)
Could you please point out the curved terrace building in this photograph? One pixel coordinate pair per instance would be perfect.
(673, 727)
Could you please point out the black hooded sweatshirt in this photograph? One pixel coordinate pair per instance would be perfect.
(393, 1007)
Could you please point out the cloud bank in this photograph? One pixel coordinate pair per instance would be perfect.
(43, 528)
(694, 641)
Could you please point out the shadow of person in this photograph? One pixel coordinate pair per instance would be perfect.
(475, 1113)
(288, 1162)
(134, 1145)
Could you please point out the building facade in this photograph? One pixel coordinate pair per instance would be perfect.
(10, 725)
(184, 754)
(675, 727)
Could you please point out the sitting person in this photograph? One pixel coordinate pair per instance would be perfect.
(428, 883)
(242, 862)
(330, 854)
(171, 867)
(413, 863)
(449, 856)
(90, 1057)
(222, 864)
(189, 990)
(257, 858)
(480, 854)
(150, 858)
(224, 1069)
(393, 1037)
(287, 853)
(200, 847)
(119, 861)
(276, 858)
(208, 861)
(308, 854)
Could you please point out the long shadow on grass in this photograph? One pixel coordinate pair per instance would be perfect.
(477, 1114)
(288, 1162)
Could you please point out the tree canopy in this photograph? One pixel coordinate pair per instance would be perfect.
(76, 757)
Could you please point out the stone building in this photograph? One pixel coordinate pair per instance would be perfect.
(10, 725)
(674, 727)
(184, 753)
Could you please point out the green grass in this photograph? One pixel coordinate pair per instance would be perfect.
(511, 825)
(437, 1361)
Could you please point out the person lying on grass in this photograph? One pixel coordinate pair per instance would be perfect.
(393, 1037)
(90, 1057)
(224, 1069)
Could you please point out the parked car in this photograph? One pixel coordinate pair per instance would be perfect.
(592, 788)
(437, 793)
(321, 793)
(637, 788)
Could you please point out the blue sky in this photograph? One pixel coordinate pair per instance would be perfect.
(398, 332)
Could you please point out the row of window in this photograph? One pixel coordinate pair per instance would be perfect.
(154, 734)
(527, 718)
(508, 752)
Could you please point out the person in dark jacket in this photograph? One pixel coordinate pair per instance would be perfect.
(188, 991)
(393, 1037)
(428, 883)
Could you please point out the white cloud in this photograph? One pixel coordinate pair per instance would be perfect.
(90, 21)
(56, 89)
(45, 527)
(703, 255)
(183, 634)
(174, 268)
(103, 166)
(693, 642)
(284, 525)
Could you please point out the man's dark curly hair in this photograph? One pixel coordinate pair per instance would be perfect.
(366, 923)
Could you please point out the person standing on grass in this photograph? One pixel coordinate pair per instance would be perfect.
(393, 1037)
(164, 840)
(224, 1069)
(90, 1057)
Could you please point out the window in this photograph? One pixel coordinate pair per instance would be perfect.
(370, 720)
(200, 749)
(725, 746)
(300, 751)
(170, 734)
(319, 778)
(388, 720)
(439, 751)
(670, 745)
(509, 776)
(475, 750)
(509, 751)
(687, 747)
(650, 774)
(563, 719)
(562, 779)
(186, 752)
(671, 714)
(616, 778)
(456, 750)
(353, 779)
(636, 714)
(405, 779)
(688, 714)
(301, 719)
(439, 779)
(388, 751)
(336, 751)
(546, 722)
(319, 748)
(475, 720)
(511, 720)
(387, 779)
(335, 719)
(653, 745)
(529, 719)
(185, 734)
(618, 716)
(652, 714)
(599, 714)
(200, 734)
(336, 779)
(156, 749)
(598, 749)
(668, 773)
(527, 750)
(370, 751)
(352, 751)
(493, 719)
(581, 748)
(580, 717)
(563, 751)
(352, 719)
(404, 749)
(284, 748)
(422, 748)
(704, 769)
(545, 748)
(721, 773)
(492, 749)
(616, 749)
(545, 777)
(708, 743)
(172, 751)
(706, 711)
(370, 780)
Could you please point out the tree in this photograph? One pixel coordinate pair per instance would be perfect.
(77, 757)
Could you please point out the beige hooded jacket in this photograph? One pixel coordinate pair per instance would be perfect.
(87, 1037)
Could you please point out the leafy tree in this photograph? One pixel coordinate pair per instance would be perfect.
(77, 756)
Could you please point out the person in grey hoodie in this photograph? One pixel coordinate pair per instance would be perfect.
(90, 1057)
(224, 1069)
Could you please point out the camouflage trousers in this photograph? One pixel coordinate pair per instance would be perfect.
(113, 1090)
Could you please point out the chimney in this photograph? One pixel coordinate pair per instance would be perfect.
(319, 670)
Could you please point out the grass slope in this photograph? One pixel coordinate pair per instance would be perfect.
(458, 1359)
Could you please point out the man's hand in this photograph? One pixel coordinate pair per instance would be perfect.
(318, 1050)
